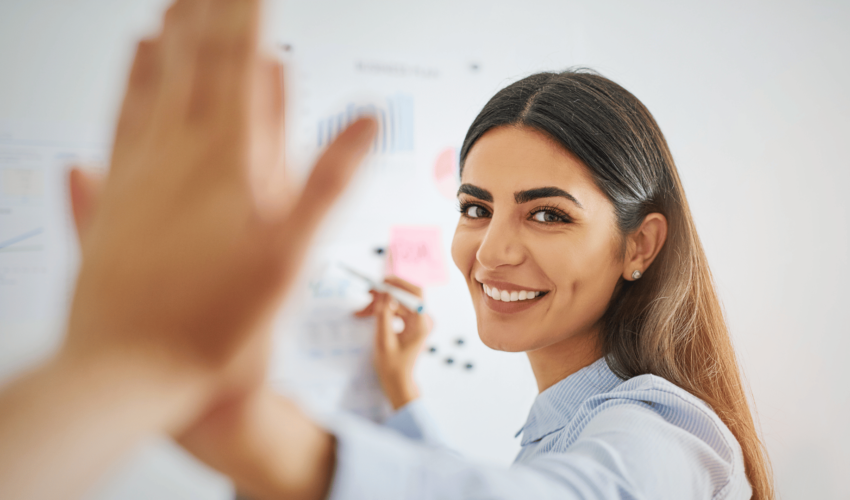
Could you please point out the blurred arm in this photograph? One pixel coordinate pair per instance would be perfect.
(64, 423)
(414, 422)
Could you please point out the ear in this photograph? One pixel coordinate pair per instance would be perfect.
(643, 245)
(85, 188)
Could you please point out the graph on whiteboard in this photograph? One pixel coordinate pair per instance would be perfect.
(395, 124)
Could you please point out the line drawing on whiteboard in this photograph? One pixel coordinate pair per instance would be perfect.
(21, 237)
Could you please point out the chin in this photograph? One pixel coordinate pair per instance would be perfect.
(502, 339)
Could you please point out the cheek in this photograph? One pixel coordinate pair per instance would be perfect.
(464, 246)
(584, 272)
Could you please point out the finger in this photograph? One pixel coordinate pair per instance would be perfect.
(369, 310)
(85, 188)
(403, 312)
(386, 340)
(426, 324)
(332, 172)
(330, 176)
(393, 305)
(404, 285)
(134, 117)
(182, 31)
(365, 312)
(226, 65)
(416, 331)
(267, 148)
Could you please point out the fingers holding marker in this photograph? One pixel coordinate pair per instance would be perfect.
(404, 285)
(386, 339)
(369, 310)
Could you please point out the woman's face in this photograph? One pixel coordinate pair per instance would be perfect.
(536, 232)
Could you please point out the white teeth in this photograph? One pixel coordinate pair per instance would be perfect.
(505, 296)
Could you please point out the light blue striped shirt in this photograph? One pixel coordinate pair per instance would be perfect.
(590, 436)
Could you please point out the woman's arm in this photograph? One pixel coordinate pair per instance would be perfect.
(626, 451)
(395, 353)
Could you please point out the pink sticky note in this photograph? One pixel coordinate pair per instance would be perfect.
(416, 255)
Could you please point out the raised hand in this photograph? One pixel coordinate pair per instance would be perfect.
(186, 252)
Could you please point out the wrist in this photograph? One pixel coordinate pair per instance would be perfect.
(400, 390)
(267, 446)
(172, 393)
(76, 414)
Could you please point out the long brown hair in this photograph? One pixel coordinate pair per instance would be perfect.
(670, 322)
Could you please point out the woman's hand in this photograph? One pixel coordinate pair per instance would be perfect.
(396, 352)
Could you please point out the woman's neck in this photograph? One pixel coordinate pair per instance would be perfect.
(555, 362)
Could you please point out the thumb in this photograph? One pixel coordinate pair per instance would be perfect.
(332, 173)
(85, 188)
(329, 178)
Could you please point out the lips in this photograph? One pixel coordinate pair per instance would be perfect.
(508, 298)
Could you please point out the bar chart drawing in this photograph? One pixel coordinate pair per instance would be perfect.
(395, 124)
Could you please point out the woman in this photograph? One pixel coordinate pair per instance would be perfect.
(578, 248)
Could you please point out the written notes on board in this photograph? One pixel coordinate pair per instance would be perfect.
(416, 255)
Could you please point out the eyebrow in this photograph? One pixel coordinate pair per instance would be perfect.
(472, 190)
(520, 196)
(544, 192)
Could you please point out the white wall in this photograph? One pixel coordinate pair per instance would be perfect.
(751, 95)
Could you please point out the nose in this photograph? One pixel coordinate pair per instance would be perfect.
(501, 246)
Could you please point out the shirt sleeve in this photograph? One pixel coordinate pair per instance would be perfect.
(414, 422)
(606, 462)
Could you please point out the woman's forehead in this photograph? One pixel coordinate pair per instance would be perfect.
(509, 159)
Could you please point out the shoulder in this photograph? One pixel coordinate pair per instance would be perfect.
(677, 408)
(662, 439)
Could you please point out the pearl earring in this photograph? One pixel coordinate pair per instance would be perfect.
(636, 275)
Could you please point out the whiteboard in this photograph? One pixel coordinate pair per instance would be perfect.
(752, 101)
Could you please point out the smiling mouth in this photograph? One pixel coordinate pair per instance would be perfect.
(512, 296)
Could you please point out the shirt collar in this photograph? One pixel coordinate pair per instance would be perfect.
(554, 407)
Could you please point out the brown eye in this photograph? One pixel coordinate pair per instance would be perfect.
(476, 212)
(548, 216)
